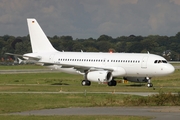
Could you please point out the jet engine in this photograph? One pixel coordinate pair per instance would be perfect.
(99, 76)
(136, 79)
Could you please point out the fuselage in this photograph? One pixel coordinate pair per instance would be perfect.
(123, 64)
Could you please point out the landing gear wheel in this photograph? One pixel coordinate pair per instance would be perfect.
(112, 83)
(83, 83)
(150, 85)
(86, 83)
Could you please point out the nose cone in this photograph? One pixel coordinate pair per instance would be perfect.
(169, 69)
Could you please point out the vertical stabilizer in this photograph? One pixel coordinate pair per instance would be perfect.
(39, 41)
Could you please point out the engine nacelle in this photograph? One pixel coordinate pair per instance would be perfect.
(136, 79)
(99, 76)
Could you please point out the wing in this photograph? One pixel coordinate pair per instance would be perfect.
(86, 67)
(80, 68)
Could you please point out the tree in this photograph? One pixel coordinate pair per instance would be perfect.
(104, 46)
(104, 38)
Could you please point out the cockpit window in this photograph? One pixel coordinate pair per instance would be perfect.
(155, 61)
(164, 61)
(160, 61)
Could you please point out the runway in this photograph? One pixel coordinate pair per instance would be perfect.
(158, 113)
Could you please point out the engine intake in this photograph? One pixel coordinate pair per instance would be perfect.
(99, 76)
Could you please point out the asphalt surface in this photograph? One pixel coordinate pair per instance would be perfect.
(157, 113)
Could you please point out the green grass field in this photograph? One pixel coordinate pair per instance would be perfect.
(83, 117)
(61, 82)
(11, 67)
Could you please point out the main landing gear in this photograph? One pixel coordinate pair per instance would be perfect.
(112, 83)
(86, 83)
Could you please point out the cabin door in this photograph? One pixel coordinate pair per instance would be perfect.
(144, 62)
(51, 58)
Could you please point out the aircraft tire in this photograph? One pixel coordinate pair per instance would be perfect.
(112, 83)
(83, 83)
(86, 83)
(150, 85)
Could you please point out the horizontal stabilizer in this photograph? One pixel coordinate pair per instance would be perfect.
(18, 55)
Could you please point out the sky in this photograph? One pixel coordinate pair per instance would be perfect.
(91, 18)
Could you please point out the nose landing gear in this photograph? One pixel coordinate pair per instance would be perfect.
(149, 84)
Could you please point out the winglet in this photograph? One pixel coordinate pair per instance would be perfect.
(39, 41)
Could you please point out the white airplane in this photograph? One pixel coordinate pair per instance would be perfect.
(96, 67)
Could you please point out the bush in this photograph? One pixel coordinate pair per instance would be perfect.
(160, 99)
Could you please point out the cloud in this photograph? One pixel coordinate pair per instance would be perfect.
(10, 10)
(121, 2)
(157, 19)
(177, 2)
(106, 27)
(91, 18)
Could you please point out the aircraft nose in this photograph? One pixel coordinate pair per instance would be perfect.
(169, 69)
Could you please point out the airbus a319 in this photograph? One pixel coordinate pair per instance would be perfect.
(95, 66)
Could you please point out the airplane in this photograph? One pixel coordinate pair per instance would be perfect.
(96, 66)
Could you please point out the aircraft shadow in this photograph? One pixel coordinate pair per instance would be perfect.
(60, 84)
(136, 85)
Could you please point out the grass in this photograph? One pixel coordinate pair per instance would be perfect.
(10, 103)
(73, 117)
(56, 82)
(13, 67)
(23, 102)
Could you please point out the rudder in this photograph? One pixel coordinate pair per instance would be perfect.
(39, 41)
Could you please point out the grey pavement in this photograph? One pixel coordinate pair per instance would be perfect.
(158, 113)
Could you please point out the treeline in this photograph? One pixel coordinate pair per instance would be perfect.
(168, 47)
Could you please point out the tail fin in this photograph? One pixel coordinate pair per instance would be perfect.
(19, 60)
(39, 41)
